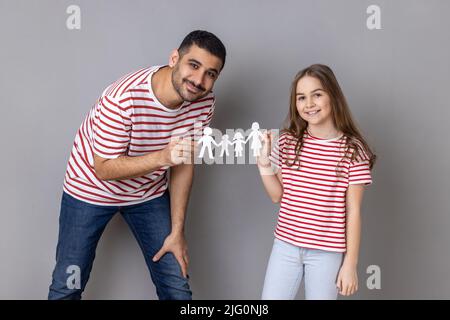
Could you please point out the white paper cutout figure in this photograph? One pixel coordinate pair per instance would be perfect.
(239, 142)
(206, 140)
(225, 143)
(256, 137)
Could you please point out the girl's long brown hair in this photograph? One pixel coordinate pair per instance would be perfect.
(356, 146)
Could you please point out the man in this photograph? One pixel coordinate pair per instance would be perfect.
(120, 160)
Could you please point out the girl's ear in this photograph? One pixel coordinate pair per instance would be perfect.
(174, 58)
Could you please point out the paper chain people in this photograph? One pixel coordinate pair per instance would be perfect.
(238, 141)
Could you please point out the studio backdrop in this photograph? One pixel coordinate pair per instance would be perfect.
(390, 57)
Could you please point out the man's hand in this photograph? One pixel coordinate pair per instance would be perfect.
(179, 150)
(175, 243)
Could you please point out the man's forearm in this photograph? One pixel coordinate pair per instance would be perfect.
(181, 178)
(125, 167)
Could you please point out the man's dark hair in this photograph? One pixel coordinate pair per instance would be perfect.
(205, 40)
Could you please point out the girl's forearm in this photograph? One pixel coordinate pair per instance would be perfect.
(353, 235)
(271, 183)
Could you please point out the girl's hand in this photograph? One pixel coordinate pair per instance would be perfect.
(263, 159)
(347, 280)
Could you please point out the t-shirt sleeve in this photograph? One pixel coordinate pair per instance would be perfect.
(276, 155)
(208, 119)
(111, 128)
(359, 173)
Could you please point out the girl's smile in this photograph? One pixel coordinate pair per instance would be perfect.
(312, 113)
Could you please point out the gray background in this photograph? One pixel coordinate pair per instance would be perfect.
(396, 80)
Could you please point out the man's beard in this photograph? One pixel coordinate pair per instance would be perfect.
(178, 82)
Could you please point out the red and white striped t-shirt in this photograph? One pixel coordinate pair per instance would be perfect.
(129, 120)
(312, 211)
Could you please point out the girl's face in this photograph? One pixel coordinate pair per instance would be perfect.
(313, 103)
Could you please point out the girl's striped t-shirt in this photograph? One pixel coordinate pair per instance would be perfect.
(128, 119)
(313, 208)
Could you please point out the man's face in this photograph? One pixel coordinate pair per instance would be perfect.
(194, 73)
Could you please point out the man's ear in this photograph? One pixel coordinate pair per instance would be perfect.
(174, 57)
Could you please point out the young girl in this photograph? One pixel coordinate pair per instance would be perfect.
(324, 163)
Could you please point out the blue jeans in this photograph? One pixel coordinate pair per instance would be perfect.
(288, 264)
(80, 227)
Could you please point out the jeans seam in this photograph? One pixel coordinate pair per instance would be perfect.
(138, 239)
(294, 284)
